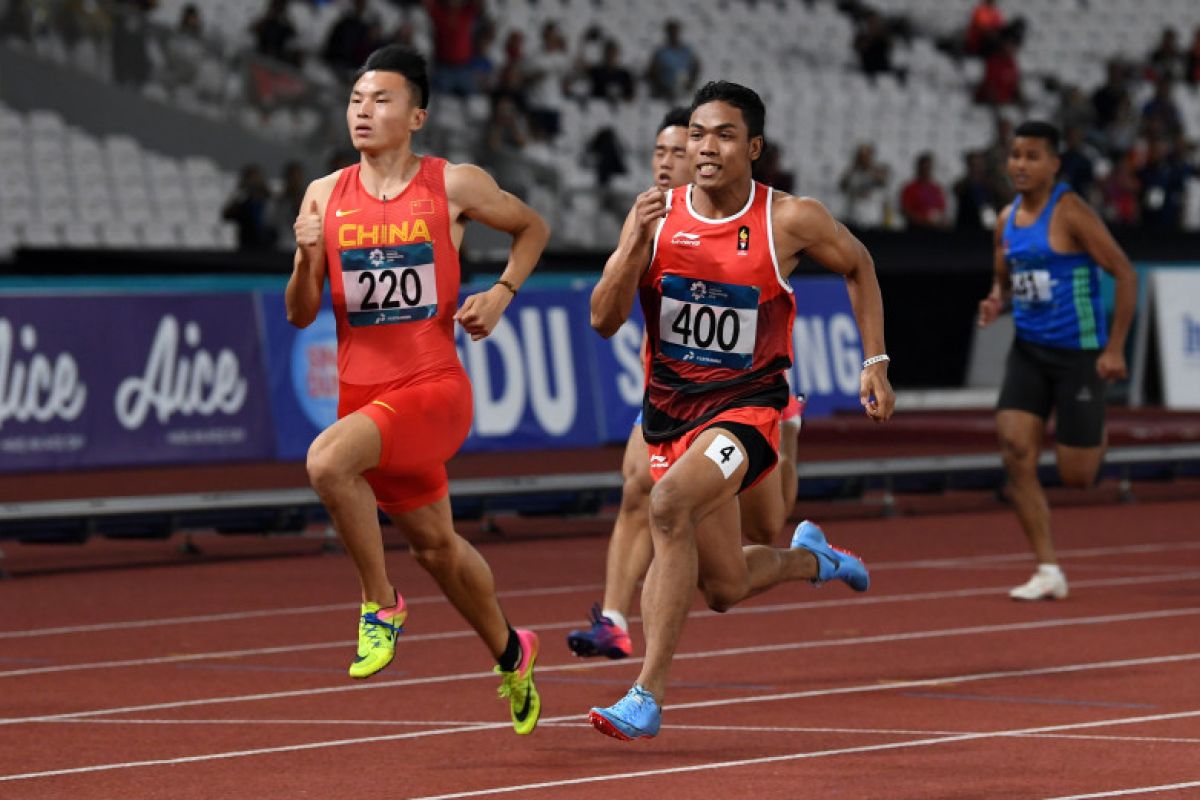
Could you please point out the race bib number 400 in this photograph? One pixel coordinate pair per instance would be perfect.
(386, 285)
(708, 323)
(1031, 286)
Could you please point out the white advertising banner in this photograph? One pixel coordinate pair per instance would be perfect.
(1176, 298)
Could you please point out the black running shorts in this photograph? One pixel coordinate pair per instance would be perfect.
(1040, 379)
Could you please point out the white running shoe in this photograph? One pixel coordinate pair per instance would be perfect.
(1046, 584)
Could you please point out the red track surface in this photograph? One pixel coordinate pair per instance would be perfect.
(932, 685)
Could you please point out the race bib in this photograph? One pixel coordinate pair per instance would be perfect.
(1031, 286)
(708, 323)
(386, 285)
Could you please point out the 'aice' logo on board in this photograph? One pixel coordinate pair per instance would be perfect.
(36, 388)
(176, 383)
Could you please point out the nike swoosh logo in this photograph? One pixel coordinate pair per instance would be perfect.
(347, 212)
(524, 712)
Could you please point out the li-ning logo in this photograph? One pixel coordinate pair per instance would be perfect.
(659, 462)
(686, 239)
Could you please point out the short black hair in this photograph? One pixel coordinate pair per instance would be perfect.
(403, 60)
(678, 116)
(754, 113)
(1037, 129)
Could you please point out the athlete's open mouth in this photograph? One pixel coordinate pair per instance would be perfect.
(707, 170)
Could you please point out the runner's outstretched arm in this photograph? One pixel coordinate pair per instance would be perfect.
(810, 229)
(474, 194)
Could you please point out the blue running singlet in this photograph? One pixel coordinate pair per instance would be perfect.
(1056, 296)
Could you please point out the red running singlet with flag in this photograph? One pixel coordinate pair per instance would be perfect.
(718, 316)
(394, 276)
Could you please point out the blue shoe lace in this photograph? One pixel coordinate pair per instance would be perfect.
(373, 632)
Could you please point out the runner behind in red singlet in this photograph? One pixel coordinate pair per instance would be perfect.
(386, 231)
(710, 262)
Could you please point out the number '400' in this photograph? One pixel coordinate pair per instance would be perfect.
(409, 284)
(705, 325)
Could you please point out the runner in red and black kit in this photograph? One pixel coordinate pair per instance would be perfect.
(710, 262)
(386, 231)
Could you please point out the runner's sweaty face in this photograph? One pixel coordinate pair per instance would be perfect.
(1032, 165)
(720, 147)
(383, 112)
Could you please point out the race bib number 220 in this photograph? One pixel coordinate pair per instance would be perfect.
(708, 323)
(386, 285)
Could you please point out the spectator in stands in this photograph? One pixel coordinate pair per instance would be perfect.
(547, 72)
(1001, 83)
(1078, 164)
(82, 21)
(352, 38)
(1192, 69)
(17, 20)
(674, 66)
(1075, 110)
(250, 209)
(275, 35)
(609, 79)
(288, 202)
(864, 186)
(606, 155)
(481, 67)
(975, 197)
(1119, 193)
(1160, 115)
(1121, 135)
(996, 159)
(1166, 60)
(922, 200)
(873, 43)
(504, 142)
(512, 77)
(130, 42)
(453, 27)
(184, 52)
(1162, 180)
(1106, 100)
(983, 31)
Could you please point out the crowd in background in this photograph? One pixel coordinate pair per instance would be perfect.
(1130, 160)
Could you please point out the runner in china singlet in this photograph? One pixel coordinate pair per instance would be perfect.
(394, 277)
(718, 316)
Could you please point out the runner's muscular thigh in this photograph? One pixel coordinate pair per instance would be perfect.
(697, 484)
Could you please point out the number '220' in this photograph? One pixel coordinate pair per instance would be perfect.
(705, 326)
(409, 284)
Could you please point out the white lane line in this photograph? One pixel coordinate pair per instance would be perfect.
(1062, 622)
(271, 612)
(1170, 787)
(409, 723)
(579, 719)
(805, 755)
(551, 626)
(935, 563)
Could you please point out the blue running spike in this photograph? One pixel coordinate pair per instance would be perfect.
(832, 562)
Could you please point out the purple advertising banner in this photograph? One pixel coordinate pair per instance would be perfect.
(96, 380)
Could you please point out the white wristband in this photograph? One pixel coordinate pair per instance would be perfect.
(876, 360)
